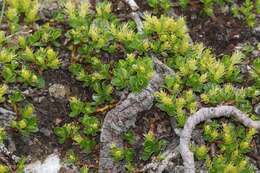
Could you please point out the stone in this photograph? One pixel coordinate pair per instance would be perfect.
(46, 132)
(58, 91)
(257, 109)
(51, 164)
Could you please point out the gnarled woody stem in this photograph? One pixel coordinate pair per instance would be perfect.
(6, 117)
(123, 116)
(202, 115)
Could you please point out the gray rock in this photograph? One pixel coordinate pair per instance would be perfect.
(58, 91)
(46, 132)
(51, 164)
(38, 99)
(257, 109)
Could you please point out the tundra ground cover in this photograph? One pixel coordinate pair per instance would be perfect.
(108, 57)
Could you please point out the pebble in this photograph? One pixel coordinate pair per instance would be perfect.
(257, 109)
(256, 53)
(38, 99)
(58, 91)
(46, 132)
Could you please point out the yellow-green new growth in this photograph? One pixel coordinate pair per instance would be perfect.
(3, 91)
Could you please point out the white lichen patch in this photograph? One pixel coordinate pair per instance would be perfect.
(51, 164)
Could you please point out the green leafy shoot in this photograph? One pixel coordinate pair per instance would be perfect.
(28, 123)
(66, 132)
(78, 107)
(3, 92)
(152, 146)
(133, 73)
(2, 135)
(91, 125)
(15, 96)
(200, 152)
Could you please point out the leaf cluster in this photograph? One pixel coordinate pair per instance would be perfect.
(27, 123)
(97, 80)
(4, 169)
(165, 5)
(16, 8)
(177, 106)
(44, 58)
(126, 154)
(133, 73)
(72, 131)
(2, 135)
(152, 146)
(3, 92)
(235, 143)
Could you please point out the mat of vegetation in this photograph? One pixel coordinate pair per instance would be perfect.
(113, 86)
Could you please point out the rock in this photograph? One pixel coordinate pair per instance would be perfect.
(257, 109)
(58, 91)
(256, 53)
(120, 5)
(46, 132)
(161, 129)
(257, 30)
(51, 164)
(38, 99)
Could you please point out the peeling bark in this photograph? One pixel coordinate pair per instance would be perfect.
(167, 164)
(6, 117)
(202, 115)
(132, 4)
(123, 116)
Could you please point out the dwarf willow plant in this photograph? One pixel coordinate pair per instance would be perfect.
(133, 73)
(4, 169)
(199, 71)
(78, 107)
(3, 92)
(123, 154)
(17, 8)
(70, 131)
(97, 80)
(30, 78)
(44, 58)
(15, 97)
(248, 9)
(235, 143)
(27, 123)
(255, 71)
(82, 133)
(2, 135)
(160, 4)
(152, 146)
(46, 35)
(200, 152)
(91, 125)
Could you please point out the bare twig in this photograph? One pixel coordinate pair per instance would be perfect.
(132, 4)
(2, 12)
(139, 24)
(202, 115)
